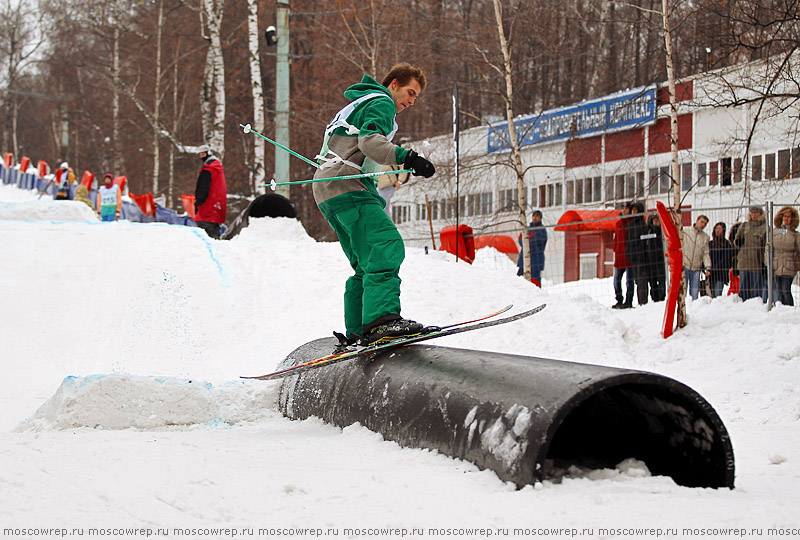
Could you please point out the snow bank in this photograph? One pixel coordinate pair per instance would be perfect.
(150, 403)
(279, 229)
(47, 210)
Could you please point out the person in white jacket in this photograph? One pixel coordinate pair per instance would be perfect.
(696, 256)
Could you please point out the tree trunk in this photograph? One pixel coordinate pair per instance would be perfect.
(512, 139)
(157, 100)
(259, 117)
(213, 94)
(675, 165)
(115, 161)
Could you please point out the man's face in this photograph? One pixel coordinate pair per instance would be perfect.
(536, 218)
(754, 215)
(701, 223)
(404, 96)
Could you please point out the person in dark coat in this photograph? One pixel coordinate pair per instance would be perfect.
(210, 194)
(537, 240)
(657, 273)
(636, 236)
(722, 255)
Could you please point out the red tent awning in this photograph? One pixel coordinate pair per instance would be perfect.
(600, 220)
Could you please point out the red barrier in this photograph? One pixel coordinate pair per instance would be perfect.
(24, 163)
(188, 204)
(87, 180)
(121, 181)
(145, 203)
(42, 168)
(459, 242)
(8, 159)
(675, 258)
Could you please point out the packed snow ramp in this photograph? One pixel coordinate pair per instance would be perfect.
(527, 419)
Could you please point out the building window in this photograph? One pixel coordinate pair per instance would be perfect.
(726, 171)
(783, 164)
(571, 192)
(756, 168)
(534, 197)
(737, 170)
(486, 203)
(795, 162)
(713, 173)
(769, 167)
(508, 200)
(598, 188)
(686, 176)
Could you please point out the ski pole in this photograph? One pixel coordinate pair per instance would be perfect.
(273, 184)
(247, 129)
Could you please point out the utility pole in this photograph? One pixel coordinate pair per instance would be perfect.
(282, 97)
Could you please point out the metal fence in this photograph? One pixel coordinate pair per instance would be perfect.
(579, 262)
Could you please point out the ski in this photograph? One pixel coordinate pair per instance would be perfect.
(368, 350)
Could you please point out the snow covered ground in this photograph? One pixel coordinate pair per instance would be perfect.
(122, 410)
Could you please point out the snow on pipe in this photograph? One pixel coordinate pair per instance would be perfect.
(527, 419)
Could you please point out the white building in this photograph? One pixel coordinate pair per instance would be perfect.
(735, 150)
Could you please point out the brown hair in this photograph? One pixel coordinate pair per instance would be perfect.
(404, 73)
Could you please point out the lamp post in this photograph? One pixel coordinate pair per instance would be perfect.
(279, 37)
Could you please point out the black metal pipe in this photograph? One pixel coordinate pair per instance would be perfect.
(525, 418)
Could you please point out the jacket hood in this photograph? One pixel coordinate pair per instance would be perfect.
(795, 218)
(368, 85)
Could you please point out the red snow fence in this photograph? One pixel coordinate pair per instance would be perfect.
(188, 204)
(458, 241)
(87, 180)
(145, 203)
(23, 163)
(500, 242)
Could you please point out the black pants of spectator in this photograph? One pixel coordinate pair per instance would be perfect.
(782, 290)
(658, 287)
(640, 276)
(212, 229)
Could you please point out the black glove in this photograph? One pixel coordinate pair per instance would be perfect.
(420, 165)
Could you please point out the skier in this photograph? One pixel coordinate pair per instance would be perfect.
(358, 139)
(109, 199)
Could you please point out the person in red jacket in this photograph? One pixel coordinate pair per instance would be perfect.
(210, 194)
(621, 264)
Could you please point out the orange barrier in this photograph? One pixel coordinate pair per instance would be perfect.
(87, 180)
(121, 181)
(188, 204)
(23, 163)
(8, 159)
(458, 242)
(145, 203)
(42, 168)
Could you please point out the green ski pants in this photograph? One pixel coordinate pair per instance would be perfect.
(375, 250)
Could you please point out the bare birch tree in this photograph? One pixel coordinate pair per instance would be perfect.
(259, 116)
(212, 97)
(516, 154)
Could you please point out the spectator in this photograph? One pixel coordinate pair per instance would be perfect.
(210, 194)
(82, 195)
(64, 179)
(751, 240)
(722, 254)
(537, 240)
(388, 184)
(695, 255)
(636, 236)
(786, 257)
(109, 199)
(657, 274)
(621, 264)
(734, 273)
